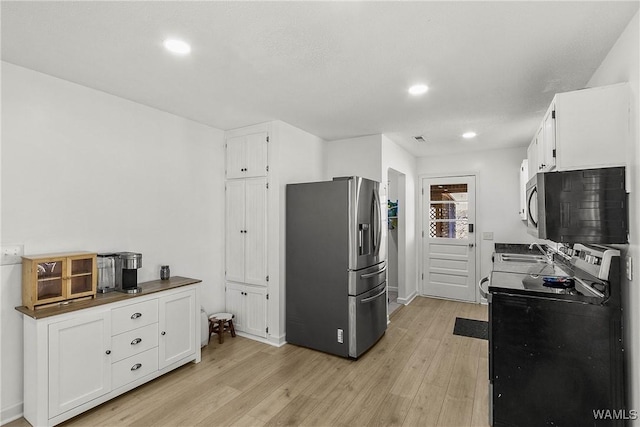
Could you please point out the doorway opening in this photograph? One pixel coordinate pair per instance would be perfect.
(396, 238)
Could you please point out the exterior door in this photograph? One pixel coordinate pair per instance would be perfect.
(448, 248)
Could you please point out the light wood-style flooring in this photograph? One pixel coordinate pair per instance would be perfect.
(418, 374)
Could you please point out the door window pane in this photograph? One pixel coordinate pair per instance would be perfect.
(449, 192)
(449, 211)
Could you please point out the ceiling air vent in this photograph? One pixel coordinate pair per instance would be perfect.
(419, 138)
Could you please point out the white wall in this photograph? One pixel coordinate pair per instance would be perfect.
(297, 156)
(621, 65)
(84, 170)
(398, 159)
(354, 157)
(497, 195)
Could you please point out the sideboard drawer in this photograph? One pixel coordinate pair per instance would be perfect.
(134, 316)
(134, 367)
(133, 342)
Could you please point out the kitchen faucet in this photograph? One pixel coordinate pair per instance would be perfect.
(548, 255)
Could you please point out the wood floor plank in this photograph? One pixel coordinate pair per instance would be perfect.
(418, 374)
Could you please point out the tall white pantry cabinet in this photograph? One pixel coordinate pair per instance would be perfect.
(246, 190)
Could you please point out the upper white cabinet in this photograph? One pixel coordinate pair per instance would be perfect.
(524, 177)
(246, 231)
(583, 129)
(247, 155)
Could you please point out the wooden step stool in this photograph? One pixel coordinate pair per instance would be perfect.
(219, 323)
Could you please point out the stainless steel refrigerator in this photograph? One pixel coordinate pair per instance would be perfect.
(336, 281)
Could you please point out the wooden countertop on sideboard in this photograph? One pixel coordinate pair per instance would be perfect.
(100, 299)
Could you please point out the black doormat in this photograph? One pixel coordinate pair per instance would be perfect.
(471, 328)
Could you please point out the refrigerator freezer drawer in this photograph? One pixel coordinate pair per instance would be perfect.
(368, 278)
(367, 319)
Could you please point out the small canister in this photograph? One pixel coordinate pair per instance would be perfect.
(165, 272)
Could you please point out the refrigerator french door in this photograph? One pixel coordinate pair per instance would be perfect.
(335, 266)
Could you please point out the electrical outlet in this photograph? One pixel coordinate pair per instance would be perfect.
(487, 235)
(629, 268)
(340, 336)
(11, 254)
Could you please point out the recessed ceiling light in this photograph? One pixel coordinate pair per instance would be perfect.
(418, 89)
(469, 135)
(177, 46)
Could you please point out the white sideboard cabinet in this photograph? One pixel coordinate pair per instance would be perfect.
(79, 356)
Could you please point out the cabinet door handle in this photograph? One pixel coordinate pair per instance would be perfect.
(163, 333)
(136, 315)
(136, 366)
(108, 351)
(136, 341)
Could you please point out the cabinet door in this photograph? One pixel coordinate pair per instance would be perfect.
(256, 155)
(82, 275)
(50, 285)
(79, 366)
(235, 156)
(255, 244)
(540, 154)
(177, 327)
(532, 159)
(524, 176)
(235, 304)
(549, 138)
(235, 231)
(255, 321)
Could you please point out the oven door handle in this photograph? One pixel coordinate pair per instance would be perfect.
(484, 291)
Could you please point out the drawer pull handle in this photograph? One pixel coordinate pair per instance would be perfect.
(136, 315)
(136, 366)
(108, 352)
(163, 333)
(136, 341)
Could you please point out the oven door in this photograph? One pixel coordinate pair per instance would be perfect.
(532, 207)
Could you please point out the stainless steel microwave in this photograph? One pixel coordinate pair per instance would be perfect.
(580, 206)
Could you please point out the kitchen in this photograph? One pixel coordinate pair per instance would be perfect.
(74, 157)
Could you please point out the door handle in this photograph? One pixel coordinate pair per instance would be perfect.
(366, 276)
(373, 297)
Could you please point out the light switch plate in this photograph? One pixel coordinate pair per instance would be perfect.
(487, 235)
(11, 254)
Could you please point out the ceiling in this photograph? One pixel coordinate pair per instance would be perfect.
(335, 69)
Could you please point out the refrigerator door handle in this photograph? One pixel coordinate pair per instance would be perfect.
(366, 276)
(366, 300)
(378, 223)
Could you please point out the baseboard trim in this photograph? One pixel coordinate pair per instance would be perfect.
(11, 413)
(273, 341)
(408, 300)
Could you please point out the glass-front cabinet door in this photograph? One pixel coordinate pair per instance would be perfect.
(82, 274)
(50, 280)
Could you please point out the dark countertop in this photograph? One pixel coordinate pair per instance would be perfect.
(517, 248)
(108, 298)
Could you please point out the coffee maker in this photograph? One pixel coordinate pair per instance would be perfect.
(127, 265)
(107, 272)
